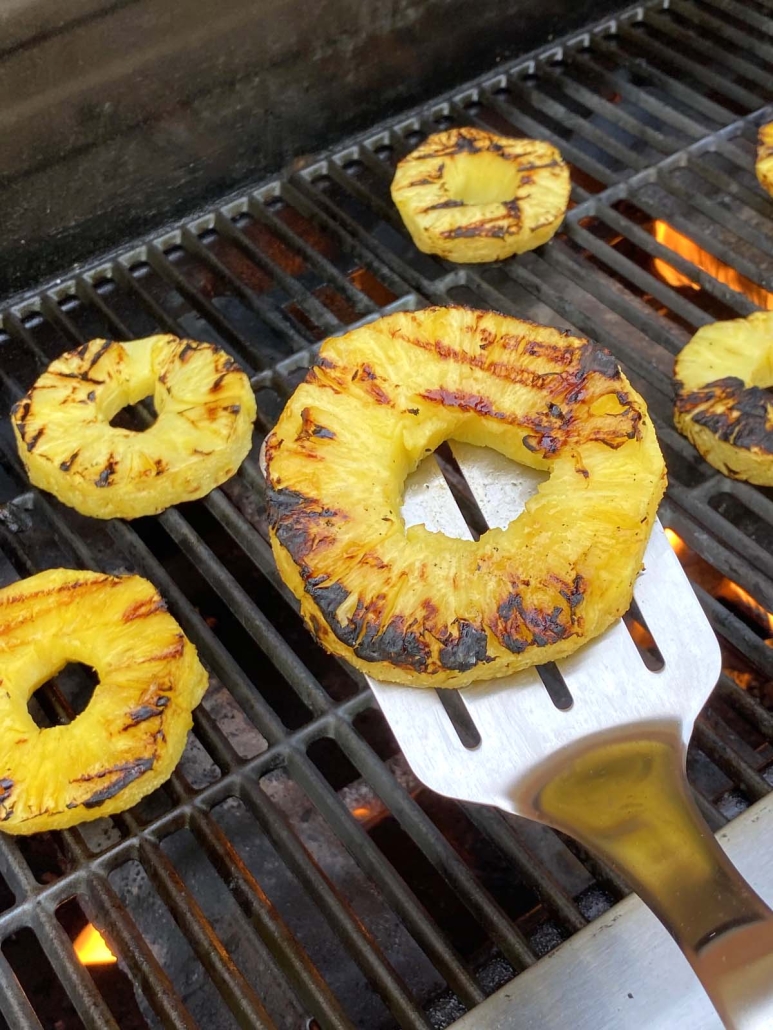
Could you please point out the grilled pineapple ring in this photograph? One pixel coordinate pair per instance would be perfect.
(203, 432)
(722, 405)
(764, 165)
(471, 196)
(418, 607)
(133, 731)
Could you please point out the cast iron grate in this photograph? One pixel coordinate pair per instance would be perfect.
(292, 873)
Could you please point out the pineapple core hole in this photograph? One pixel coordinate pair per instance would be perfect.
(136, 417)
(61, 699)
(481, 179)
(440, 480)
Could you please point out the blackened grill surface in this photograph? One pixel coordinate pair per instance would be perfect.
(292, 872)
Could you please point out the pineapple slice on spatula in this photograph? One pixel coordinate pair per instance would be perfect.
(603, 758)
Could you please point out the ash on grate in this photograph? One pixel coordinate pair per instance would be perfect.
(245, 739)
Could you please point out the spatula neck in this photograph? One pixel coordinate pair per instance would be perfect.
(629, 802)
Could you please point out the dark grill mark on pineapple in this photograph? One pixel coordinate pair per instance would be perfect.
(173, 651)
(98, 354)
(20, 412)
(107, 473)
(379, 395)
(466, 650)
(569, 382)
(548, 438)
(519, 627)
(129, 772)
(461, 143)
(574, 595)
(365, 632)
(364, 373)
(597, 359)
(432, 179)
(465, 402)
(82, 377)
(394, 644)
(513, 208)
(144, 712)
(143, 608)
(36, 439)
(444, 204)
(374, 561)
(299, 522)
(328, 599)
(187, 351)
(310, 428)
(6, 788)
(493, 228)
(67, 464)
(735, 413)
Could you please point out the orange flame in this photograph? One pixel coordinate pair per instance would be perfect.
(91, 948)
(730, 591)
(719, 586)
(678, 545)
(688, 249)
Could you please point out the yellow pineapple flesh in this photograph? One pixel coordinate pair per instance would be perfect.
(203, 432)
(472, 196)
(764, 163)
(130, 736)
(722, 403)
(414, 606)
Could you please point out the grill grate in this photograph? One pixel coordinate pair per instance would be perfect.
(348, 895)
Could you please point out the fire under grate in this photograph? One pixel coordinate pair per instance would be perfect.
(292, 873)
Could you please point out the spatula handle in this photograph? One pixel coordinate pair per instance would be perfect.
(629, 802)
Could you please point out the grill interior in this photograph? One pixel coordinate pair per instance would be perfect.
(293, 873)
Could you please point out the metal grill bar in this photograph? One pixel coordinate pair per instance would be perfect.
(556, 898)
(413, 914)
(508, 938)
(16, 1006)
(671, 85)
(89, 1002)
(296, 965)
(336, 909)
(680, 41)
(237, 992)
(145, 968)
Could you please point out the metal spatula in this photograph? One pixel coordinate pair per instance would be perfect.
(607, 766)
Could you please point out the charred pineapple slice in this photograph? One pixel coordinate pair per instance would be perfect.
(417, 607)
(133, 731)
(722, 404)
(764, 165)
(471, 196)
(205, 407)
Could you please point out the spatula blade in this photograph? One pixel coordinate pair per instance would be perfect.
(519, 726)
